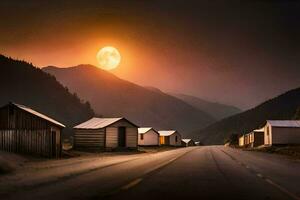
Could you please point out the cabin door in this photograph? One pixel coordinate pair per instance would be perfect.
(122, 136)
(167, 140)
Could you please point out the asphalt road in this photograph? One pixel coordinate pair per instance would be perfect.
(213, 172)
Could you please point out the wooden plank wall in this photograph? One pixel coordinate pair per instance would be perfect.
(89, 139)
(37, 142)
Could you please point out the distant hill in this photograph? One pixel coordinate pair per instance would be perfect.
(23, 83)
(285, 106)
(112, 97)
(217, 110)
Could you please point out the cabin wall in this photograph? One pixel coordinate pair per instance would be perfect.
(151, 138)
(173, 141)
(241, 141)
(111, 137)
(22, 132)
(285, 135)
(131, 137)
(268, 134)
(89, 139)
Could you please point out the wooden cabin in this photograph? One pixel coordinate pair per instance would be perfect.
(187, 142)
(169, 138)
(106, 134)
(148, 137)
(242, 140)
(282, 132)
(257, 137)
(247, 139)
(24, 130)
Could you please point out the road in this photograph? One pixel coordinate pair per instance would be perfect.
(211, 172)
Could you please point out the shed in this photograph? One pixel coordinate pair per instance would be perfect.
(257, 137)
(24, 130)
(106, 134)
(277, 132)
(242, 140)
(187, 142)
(148, 136)
(169, 138)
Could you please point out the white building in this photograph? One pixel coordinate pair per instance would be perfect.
(169, 138)
(282, 132)
(148, 137)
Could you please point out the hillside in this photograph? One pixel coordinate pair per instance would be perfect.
(216, 110)
(285, 106)
(112, 97)
(23, 83)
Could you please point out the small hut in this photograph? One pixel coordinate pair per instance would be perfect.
(148, 136)
(242, 140)
(282, 132)
(24, 130)
(257, 137)
(106, 134)
(169, 138)
(187, 142)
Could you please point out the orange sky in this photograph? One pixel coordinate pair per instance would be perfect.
(198, 48)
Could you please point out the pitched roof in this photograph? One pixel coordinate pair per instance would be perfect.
(144, 130)
(259, 130)
(29, 110)
(284, 123)
(97, 123)
(166, 133)
(186, 140)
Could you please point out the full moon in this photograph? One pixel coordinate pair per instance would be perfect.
(108, 58)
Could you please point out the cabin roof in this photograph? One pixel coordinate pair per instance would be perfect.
(144, 130)
(186, 140)
(284, 123)
(167, 132)
(259, 130)
(97, 123)
(29, 110)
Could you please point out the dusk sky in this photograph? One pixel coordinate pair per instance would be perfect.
(235, 53)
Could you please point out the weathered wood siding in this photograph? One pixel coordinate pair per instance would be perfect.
(22, 132)
(131, 137)
(111, 137)
(89, 139)
(285, 135)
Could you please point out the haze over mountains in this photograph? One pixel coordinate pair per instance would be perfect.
(217, 110)
(111, 96)
(23, 83)
(283, 107)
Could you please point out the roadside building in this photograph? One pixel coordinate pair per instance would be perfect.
(187, 142)
(277, 132)
(169, 138)
(148, 136)
(257, 137)
(24, 130)
(106, 134)
(242, 140)
(198, 143)
(246, 140)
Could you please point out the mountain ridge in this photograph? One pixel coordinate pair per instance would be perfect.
(113, 96)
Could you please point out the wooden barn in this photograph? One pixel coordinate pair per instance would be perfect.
(282, 132)
(148, 136)
(106, 134)
(24, 130)
(187, 142)
(169, 138)
(257, 137)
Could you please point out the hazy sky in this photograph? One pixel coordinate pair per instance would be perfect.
(235, 52)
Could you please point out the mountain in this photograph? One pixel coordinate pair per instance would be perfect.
(283, 107)
(216, 110)
(23, 83)
(113, 97)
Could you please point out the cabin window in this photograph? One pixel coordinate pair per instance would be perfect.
(142, 136)
(176, 139)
